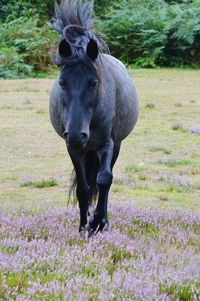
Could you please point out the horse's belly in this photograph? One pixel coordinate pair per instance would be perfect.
(126, 111)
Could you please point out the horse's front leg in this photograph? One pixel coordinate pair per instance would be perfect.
(99, 220)
(82, 190)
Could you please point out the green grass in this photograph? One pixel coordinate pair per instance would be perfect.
(150, 105)
(160, 148)
(183, 293)
(175, 162)
(9, 250)
(40, 184)
(133, 168)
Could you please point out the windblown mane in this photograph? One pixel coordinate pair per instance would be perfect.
(73, 19)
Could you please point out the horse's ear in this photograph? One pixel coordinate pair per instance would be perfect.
(92, 50)
(64, 49)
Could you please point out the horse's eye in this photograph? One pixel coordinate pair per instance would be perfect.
(93, 83)
(62, 83)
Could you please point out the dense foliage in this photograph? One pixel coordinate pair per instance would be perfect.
(24, 48)
(25, 38)
(144, 33)
(150, 33)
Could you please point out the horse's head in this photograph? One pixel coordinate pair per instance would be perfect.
(79, 84)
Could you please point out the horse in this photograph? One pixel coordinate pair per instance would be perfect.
(93, 107)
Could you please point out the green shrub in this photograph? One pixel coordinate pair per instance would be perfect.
(12, 9)
(12, 64)
(150, 33)
(102, 6)
(25, 47)
(135, 34)
(183, 47)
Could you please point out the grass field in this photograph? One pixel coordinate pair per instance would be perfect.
(159, 162)
(152, 252)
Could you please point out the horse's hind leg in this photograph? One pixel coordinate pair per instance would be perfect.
(115, 154)
(108, 156)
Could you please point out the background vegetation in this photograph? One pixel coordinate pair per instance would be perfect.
(141, 33)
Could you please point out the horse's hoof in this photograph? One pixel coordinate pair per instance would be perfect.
(89, 230)
(82, 232)
(91, 233)
(103, 226)
(94, 226)
(105, 230)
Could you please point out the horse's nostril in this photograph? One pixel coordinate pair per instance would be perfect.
(75, 140)
(84, 136)
(66, 135)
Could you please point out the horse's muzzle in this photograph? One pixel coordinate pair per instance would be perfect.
(76, 141)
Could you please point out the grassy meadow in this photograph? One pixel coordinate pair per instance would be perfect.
(158, 164)
(152, 251)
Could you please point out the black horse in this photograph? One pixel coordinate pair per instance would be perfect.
(93, 107)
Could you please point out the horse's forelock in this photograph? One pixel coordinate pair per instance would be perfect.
(77, 12)
(73, 19)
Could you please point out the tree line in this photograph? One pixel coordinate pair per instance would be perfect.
(141, 33)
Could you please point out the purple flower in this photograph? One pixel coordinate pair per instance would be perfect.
(148, 255)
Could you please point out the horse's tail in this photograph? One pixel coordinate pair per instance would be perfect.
(91, 170)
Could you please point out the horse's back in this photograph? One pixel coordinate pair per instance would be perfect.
(126, 111)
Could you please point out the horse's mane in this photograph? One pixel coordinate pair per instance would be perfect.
(73, 20)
